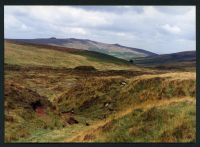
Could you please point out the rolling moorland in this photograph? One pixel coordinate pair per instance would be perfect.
(62, 94)
(115, 50)
(179, 60)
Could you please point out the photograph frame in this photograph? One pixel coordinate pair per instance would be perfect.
(103, 2)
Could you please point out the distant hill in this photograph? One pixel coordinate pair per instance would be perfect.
(180, 59)
(31, 55)
(115, 50)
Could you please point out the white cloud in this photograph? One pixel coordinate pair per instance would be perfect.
(121, 34)
(154, 28)
(78, 31)
(171, 28)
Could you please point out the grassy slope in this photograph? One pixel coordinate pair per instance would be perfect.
(137, 90)
(145, 114)
(95, 100)
(122, 101)
(30, 55)
(161, 122)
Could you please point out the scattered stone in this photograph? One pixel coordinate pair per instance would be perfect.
(72, 110)
(123, 83)
(106, 104)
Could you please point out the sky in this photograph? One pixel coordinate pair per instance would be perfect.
(159, 29)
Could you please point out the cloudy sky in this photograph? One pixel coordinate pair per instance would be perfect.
(160, 29)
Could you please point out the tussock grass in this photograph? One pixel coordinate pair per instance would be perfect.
(96, 99)
(136, 90)
(174, 122)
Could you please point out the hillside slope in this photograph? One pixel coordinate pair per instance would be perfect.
(177, 60)
(101, 109)
(51, 96)
(115, 50)
(45, 55)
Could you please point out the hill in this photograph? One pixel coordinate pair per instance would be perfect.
(185, 59)
(26, 54)
(115, 50)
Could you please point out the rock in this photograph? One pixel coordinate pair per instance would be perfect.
(72, 111)
(123, 83)
(106, 104)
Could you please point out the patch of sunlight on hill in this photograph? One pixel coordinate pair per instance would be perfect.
(25, 55)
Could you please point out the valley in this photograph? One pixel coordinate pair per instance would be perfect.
(62, 94)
